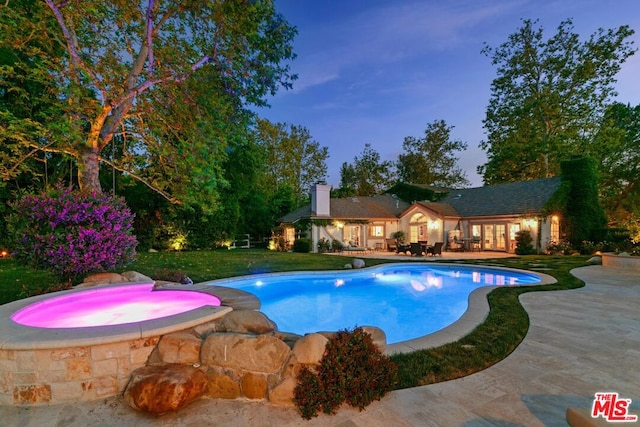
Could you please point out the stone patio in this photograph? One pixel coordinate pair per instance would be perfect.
(580, 342)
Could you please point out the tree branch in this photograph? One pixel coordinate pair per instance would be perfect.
(169, 198)
(72, 43)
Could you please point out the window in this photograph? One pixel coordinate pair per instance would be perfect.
(555, 229)
(376, 230)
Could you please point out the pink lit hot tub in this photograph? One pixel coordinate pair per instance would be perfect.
(111, 306)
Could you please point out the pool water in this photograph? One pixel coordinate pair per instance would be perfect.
(407, 301)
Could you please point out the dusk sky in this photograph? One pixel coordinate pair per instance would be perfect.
(376, 71)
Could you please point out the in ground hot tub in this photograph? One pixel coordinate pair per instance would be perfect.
(69, 346)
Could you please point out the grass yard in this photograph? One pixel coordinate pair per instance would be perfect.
(495, 339)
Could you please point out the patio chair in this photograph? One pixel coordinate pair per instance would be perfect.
(402, 248)
(436, 249)
(416, 249)
(392, 245)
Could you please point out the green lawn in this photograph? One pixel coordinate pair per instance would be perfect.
(489, 343)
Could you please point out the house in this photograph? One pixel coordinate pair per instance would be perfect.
(483, 218)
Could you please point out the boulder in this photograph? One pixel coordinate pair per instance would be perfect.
(595, 260)
(348, 266)
(264, 354)
(247, 322)
(102, 279)
(282, 394)
(161, 389)
(179, 348)
(378, 336)
(357, 263)
(310, 349)
(254, 386)
(223, 387)
(134, 276)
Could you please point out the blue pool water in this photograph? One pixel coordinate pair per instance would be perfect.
(407, 300)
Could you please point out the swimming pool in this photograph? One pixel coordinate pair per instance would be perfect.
(407, 300)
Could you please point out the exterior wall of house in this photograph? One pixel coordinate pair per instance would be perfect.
(372, 235)
(421, 224)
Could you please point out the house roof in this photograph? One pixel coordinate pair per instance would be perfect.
(516, 198)
(383, 206)
(443, 209)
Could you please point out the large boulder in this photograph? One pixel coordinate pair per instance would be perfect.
(378, 336)
(282, 394)
(102, 279)
(264, 353)
(161, 389)
(247, 322)
(357, 263)
(310, 349)
(134, 276)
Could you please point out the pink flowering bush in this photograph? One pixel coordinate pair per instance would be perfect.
(72, 234)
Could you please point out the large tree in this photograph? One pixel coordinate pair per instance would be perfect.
(548, 98)
(293, 158)
(431, 159)
(617, 149)
(171, 79)
(366, 176)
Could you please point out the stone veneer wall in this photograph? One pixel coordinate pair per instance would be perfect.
(47, 376)
(621, 261)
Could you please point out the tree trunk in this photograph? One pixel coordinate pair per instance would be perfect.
(88, 170)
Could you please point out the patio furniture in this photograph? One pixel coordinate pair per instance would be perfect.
(475, 243)
(392, 245)
(402, 248)
(436, 249)
(416, 249)
(352, 247)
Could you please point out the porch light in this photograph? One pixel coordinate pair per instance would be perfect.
(339, 224)
(433, 225)
(530, 223)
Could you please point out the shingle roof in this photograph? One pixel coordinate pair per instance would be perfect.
(443, 209)
(381, 206)
(517, 198)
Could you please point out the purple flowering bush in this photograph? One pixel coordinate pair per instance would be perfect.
(72, 234)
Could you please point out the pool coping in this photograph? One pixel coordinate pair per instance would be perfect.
(20, 337)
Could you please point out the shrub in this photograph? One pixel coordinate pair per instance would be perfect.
(324, 245)
(524, 243)
(72, 234)
(352, 370)
(302, 245)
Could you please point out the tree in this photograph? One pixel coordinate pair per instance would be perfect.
(584, 218)
(172, 79)
(430, 160)
(548, 98)
(368, 175)
(617, 149)
(293, 158)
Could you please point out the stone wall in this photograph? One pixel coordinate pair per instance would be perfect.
(240, 355)
(43, 376)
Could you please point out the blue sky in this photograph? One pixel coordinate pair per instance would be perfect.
(376, 71)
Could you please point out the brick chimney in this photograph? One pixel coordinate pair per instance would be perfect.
(320, 199)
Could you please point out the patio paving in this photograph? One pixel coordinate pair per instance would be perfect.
(580, 342)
